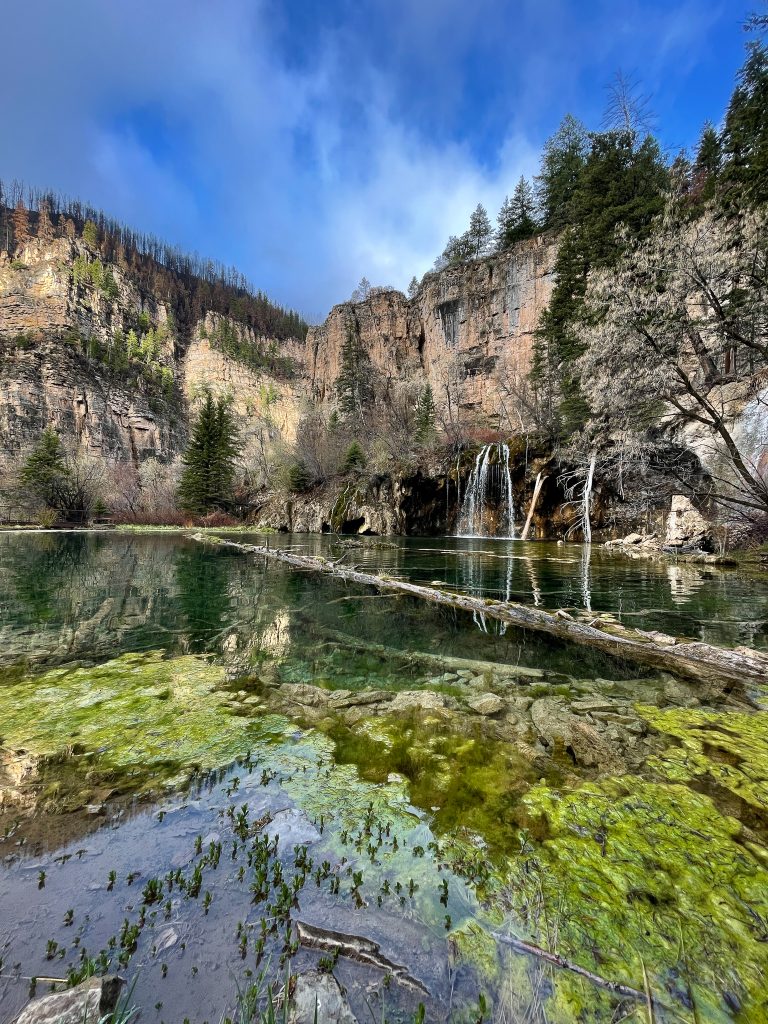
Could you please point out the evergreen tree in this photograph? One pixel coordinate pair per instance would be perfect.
(516, 217)
(622, 182)
(425, 416)
(413, 287)
(745, 136)
(354, 385)
(91, 234)
(363, 290)
(209, 460)
(703, 173)
(480, 233)
(354, 458)
(298, 477)
(562, 162)
(45, 474)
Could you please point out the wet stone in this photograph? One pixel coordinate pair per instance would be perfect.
(318, 997)
(486, 704)
(87, 1003)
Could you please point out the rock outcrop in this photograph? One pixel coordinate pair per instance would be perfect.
(59, 367)
(468, 331)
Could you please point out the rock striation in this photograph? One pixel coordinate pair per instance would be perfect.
(469, 331)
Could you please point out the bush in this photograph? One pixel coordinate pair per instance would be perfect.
(47, 518)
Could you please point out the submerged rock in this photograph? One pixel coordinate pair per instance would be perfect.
(87, 1003)
(557, 726)
(319, 997)
(486, 704)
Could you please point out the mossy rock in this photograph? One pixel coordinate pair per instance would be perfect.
(640, 873)
(139, 718)
(729, 749)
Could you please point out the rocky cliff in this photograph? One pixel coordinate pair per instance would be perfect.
(84, 349)
(468, 331)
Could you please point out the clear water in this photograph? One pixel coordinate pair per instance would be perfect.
(140, 661)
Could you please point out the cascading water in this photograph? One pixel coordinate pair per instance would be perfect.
(488, 509)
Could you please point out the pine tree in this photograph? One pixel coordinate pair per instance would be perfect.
(745, 136)
(516, 217)
(480, 233)
(91, 234)
(209, 460)
(45, 474)
(706, 167)
(413, 287)
(425, 416)
(622, 182)
(20, 224)
(354, 458)
(354, 385)
(562, 162)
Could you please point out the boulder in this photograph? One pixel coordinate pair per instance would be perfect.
(87, 1003)
(486, 704)
(318, 996)
(686, 527)
(422, 700)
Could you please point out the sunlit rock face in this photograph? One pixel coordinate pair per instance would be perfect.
(468, 331)
(49, 376)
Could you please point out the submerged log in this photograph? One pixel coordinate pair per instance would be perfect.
(690, 658)
(355, 947)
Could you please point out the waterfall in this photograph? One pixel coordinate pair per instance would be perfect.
(488, 508)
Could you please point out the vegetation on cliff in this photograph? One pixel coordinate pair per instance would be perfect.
(190, 285)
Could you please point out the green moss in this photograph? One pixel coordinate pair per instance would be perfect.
(470, 783)
(727, 748)
(138, 715)
(649, 874)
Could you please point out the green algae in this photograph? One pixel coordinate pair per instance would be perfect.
(729, 749)
(140, 716)
(649, 874)
(468, 782)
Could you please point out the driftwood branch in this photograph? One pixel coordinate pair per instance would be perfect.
(693, 659)
(355, 947)
(617, 987)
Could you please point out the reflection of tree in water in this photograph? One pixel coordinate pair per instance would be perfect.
(203, 577)
(53, 566)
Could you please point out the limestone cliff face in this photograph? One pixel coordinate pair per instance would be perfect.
(468, 331)
(57, 327)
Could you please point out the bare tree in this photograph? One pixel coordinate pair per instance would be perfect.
(628, 109)
(677, 340)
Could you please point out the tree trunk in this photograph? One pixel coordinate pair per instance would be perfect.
(532, 508)
(692, 659)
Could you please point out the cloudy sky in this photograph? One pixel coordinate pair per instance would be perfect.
(310, 142)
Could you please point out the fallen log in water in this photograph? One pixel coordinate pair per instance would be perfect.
(690, 658)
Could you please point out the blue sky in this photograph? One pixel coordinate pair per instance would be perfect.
(311, 143)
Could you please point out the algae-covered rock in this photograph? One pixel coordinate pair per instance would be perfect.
(651, 874)
(728, 748)
(135, 720)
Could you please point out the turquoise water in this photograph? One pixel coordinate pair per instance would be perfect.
(157, 685)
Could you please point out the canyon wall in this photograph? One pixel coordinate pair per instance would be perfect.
(57, 329)
(468, 331)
